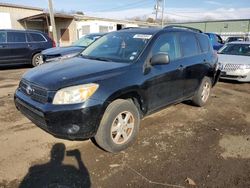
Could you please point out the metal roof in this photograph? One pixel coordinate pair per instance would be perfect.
(45, 14)
(20, 6)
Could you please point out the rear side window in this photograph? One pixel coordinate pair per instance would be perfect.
(188, 44)
(204, 43)
(3, 37)
(16, 37)
(36, 37)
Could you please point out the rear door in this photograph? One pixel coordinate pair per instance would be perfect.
(194, 62)
(17, 42)
(165, 82)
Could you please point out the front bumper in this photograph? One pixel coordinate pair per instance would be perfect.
(238, 75)
(73, 122)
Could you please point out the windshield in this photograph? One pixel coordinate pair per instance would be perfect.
(86, 40)
(118, 46)
(236, 49)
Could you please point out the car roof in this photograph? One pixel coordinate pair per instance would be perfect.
(140, 30)
(16, 30)
(240, 42)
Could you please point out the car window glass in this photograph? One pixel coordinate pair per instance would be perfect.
(2, 36)
(218, 39)
(35, 37)
(236, 49)
(204, 42)
(16, 37)
(188, 44)
(166, 43)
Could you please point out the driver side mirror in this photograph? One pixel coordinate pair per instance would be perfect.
(160, 59)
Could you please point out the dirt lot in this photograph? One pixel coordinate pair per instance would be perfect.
(209, 145)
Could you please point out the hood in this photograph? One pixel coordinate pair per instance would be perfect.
(63, 50)
(74, 71)
(233, 59)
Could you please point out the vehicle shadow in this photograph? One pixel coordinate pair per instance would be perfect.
(55, 174)
(11, 67)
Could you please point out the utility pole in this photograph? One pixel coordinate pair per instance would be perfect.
(162, 13)
(156, 10)
(52, 22)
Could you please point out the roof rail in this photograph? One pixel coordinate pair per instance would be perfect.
(183, 27)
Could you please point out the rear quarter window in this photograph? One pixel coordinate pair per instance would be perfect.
(16, 37)
(204, 43)
(36, 37)
(188, 44)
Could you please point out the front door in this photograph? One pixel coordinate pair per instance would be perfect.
(164, 83)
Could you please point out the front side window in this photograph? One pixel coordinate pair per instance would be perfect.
(235, 49)
(166, 43)
(118, 46)
(3, 37)
(188, 44)
(16, 37)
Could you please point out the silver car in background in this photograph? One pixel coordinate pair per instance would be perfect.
(234, 61)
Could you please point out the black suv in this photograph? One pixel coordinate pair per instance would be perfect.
(116, 81)
(23, 47)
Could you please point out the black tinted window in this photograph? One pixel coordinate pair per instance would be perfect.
(2, 36)
(188, 44)
(35, 37)
(204, 43)
(166, 43)
(16, 37)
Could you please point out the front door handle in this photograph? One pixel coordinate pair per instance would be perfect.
(3, 46)
(181, 67)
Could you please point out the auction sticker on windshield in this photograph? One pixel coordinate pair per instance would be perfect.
(142, 36)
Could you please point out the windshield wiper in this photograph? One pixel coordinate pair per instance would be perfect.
(97, 58)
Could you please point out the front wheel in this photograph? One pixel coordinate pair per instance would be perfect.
(37, 60)
(119, 126)
(202, 95)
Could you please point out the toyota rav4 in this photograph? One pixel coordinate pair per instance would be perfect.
(124, 76)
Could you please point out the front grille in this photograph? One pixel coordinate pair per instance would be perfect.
(34, 115)
(34, 92)
(231, 67)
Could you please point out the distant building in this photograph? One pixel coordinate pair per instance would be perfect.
(225, 28)
(69, 27)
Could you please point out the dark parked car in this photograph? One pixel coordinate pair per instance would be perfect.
(119, 79)
(232, 39)
(23, 47)
(216, 40)
(54, 54)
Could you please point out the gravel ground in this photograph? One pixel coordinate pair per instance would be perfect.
(176, 147)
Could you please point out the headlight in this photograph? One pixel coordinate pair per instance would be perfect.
(75, 94)
(244, 67)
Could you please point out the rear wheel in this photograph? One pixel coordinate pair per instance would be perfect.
(119, 126)
(37, 60)
(202, 95)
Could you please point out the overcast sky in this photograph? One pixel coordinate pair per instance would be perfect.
(179, 10)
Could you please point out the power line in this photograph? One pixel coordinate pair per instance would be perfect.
(135, 4)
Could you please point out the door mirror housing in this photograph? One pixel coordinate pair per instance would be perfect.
(160, 59)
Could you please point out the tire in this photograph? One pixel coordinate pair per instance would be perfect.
(37, 60)
(116, 133)
(202, 95)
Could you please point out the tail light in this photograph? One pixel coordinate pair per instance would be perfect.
(53, 43)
